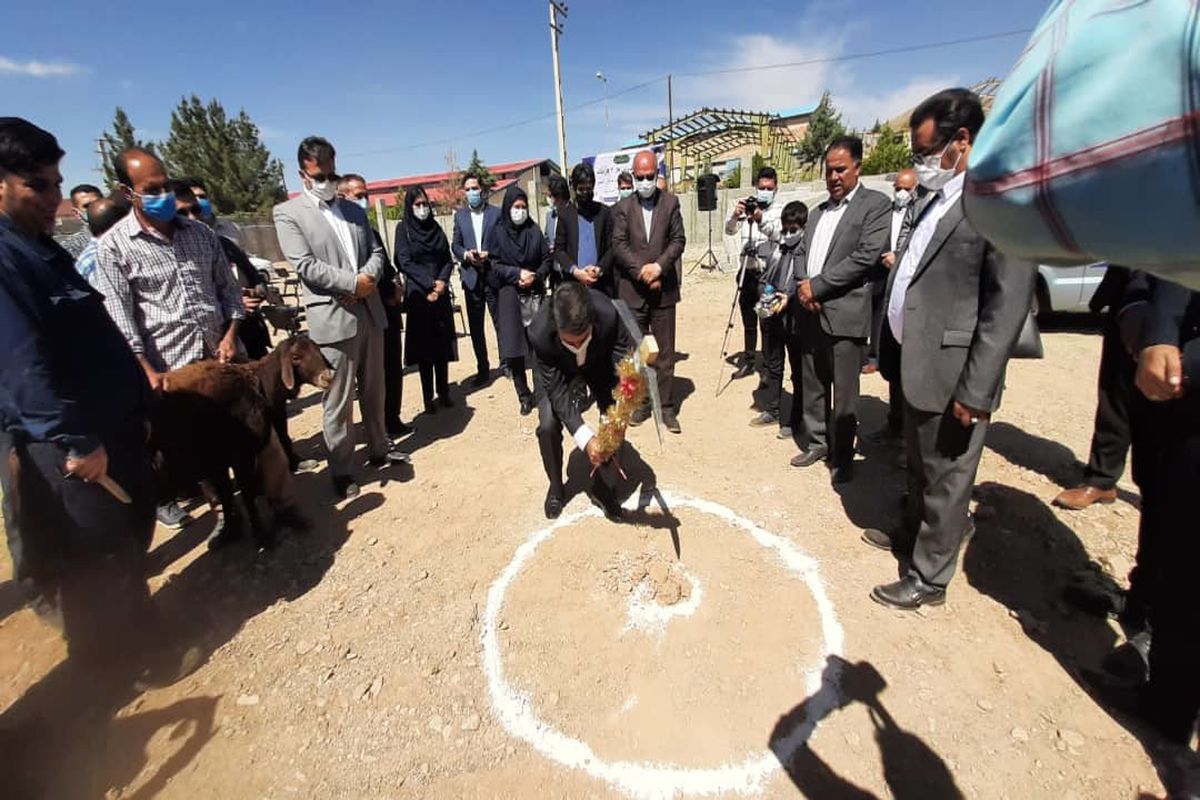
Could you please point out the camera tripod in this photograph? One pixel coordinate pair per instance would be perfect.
(709, 260)
(737, 293)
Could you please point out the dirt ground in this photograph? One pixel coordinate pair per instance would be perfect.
(350, 662)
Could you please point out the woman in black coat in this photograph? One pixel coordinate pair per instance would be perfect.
(520, 265)
(422, 255)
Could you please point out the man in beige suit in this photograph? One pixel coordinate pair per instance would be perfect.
(647, 244)
(339, 261)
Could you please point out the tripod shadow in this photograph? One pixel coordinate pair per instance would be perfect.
(912, 770)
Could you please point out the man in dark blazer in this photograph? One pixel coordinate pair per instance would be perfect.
(578, 340)
(843, 241)
(471, 227)
(955, 307)
(587, 259)
(647, 243)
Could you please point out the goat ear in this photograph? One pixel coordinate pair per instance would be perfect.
(285, 363)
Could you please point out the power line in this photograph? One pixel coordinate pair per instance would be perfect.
(731, 71)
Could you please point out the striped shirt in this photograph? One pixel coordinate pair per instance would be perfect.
(170, 299)
(85, 264)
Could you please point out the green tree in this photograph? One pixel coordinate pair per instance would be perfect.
(227, 154)
(112, 142)
(734, 179)
(891, 154)
(824, 126)
(756, 164)
(478, 169)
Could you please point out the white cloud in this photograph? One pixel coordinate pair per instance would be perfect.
(37, 69)
(860, 109)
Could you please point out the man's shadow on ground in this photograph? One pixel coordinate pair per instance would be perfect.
(62, 738)
(912, 770)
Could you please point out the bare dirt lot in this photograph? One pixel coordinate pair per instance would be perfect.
(350, 662)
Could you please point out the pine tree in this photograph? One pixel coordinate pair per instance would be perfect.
(121, 137)
(891, 154)
(476, 168)
(226, 154)
(824, 126)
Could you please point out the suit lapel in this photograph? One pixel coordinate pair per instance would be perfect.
(941, 233)
(843, 221)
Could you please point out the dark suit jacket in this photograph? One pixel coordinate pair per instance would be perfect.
(631, 250)
(861, 236)
(566, 245)
(963, 311)
(556, 367)
(1173, 317)
(464, 240)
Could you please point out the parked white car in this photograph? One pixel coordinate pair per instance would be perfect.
(1067, 289)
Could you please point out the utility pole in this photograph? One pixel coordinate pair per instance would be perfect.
(558, 7)
(671, 139)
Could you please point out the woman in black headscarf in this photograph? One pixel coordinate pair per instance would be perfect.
(423, 257)
(520, 265)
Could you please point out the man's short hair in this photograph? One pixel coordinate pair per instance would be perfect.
(467, 176)
(625, 177)
(121, 163)
(768, 173)
(195, 183)
(583, 173)
(795, 213)
(950, 109)
(182, 189)
(314, 148)
(851, 144)
(84, 188)
(558, 187)
(26, 148)
(350, 177)
(109, 213)
(572, 308)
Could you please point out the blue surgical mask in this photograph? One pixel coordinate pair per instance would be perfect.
(205, 207)
(624, 193)
(474, 198)
(159, 207)
(765, 196)
(362, 203)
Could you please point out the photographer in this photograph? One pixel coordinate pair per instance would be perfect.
(755, 221)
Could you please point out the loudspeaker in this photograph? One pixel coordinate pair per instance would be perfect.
(706, 192)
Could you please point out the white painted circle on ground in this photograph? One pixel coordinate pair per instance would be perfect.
(652, 780)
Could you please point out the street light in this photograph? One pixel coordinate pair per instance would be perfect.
(600, 77)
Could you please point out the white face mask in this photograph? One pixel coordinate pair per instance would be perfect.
(580, 351)
(624, 193)
(903, 198)
(765, 196)
(793, 239)
(645, 188)
(324, 191)
(362, 203)
(930, 172)
(518, 215)
(421, 212)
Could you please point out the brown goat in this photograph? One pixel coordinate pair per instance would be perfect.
(293, 362)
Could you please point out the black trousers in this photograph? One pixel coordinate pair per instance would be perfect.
(747, 300)
(895, 415)
(831, 367)
(476, 306)
(77, 539)
(550, 443)
(1110, 435)
(878, 289)
(393, 367)
(775, 345)
(434, 375)
(660, 321)
(1167, 452)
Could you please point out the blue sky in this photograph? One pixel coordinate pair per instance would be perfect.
(391, 84)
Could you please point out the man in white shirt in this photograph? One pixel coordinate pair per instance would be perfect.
(955, 307)
(842, 243)
(758, 235)
(340, 262)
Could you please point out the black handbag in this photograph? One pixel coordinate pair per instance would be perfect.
(1029, 342)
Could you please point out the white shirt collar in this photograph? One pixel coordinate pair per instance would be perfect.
(953, 189)
(845, 200)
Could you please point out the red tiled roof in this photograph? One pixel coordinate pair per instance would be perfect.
(442, 177)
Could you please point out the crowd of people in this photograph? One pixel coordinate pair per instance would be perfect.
(861, 282)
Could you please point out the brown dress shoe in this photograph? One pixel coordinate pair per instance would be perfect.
(1081, 497)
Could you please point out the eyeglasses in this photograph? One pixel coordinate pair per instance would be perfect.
(650, 177)
(321, 177)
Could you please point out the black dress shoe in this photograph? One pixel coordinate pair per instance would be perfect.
(602, 496)
(640, 415)
(884, 435)
(227, 531)
(1131, 661)
(744, 371)
(526, 405)
(841, 475)
(908, 594)
(345, 487)
(398, 429)
(482, 378)
(554, 504)
(878, 538)
(764, 419)
(806, 458)
(671, 421)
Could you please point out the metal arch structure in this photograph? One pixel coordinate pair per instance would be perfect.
(711, 132)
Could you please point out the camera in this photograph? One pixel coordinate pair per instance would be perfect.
(751, 204)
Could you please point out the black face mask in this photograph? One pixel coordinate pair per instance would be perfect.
(584, 197)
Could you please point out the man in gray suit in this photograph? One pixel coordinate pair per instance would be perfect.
(339, 261)
(955, 307)
(842, 243)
